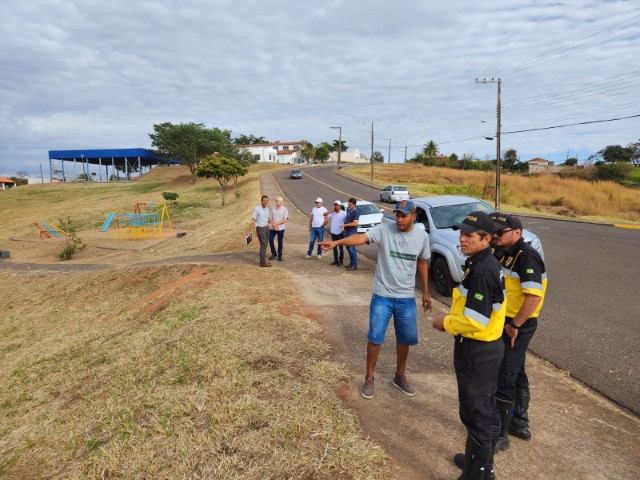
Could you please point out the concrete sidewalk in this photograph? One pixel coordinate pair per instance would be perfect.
(577, 434)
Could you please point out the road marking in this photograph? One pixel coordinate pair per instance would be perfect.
(622, 225)
(344, 193)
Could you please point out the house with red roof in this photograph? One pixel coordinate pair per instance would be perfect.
(279, 152)
(538, 165)
(6, 183)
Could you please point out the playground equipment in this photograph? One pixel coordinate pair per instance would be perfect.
(147, 221)
(47, 230)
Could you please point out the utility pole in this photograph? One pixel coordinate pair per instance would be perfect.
(405, 153)
(389, 155)
(499, 82)
(339, 144)
(372, 151)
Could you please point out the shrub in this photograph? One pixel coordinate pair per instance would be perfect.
(170, 196)
(613, 171)
(73, 243)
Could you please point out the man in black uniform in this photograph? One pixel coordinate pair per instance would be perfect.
(526, 283)
(476, 321)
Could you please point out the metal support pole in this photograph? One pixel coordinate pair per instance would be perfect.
(339, 144)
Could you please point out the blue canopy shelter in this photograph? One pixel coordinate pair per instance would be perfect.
(125, 160)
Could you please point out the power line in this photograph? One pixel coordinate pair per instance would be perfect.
(572, 124)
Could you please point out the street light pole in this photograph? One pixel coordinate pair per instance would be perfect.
(498, 166)
(389, 155)
(339, 144)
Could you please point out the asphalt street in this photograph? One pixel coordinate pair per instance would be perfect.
(589, 323)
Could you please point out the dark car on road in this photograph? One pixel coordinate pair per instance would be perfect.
(295, 174)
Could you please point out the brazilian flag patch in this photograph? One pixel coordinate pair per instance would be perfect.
(478, 296)
(529, 270)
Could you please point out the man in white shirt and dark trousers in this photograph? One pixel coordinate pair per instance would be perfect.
(337, 217)
(261, 219)
(317, 221)
(279, 216)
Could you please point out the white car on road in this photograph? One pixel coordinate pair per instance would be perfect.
(370, 215)
(436, 215)
(394, 193)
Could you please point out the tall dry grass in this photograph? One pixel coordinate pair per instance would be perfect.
(548, 194)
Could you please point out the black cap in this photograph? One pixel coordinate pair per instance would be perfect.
(476, 221)
(506, 220)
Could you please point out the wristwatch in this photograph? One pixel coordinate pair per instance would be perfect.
(513, 325)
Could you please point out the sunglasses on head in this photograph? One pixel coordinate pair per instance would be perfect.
(499, 233)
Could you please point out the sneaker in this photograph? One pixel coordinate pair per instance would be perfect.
(401, 382)
(367, 388)
(351, 268)
(335, 262)
(272, 256)
(307, 257)
(319, 257)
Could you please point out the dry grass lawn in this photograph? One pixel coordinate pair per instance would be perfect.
(165, 371)
(546, 194)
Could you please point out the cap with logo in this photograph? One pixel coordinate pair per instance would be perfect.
(318, 200)
(506, 220)
(337, 202)
(474, 222)
(404, 206)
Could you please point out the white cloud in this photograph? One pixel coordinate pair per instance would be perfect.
(82, 74)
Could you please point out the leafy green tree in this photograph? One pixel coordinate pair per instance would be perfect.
(634, 150)
(309, 152)
(614, 154)
(509, 159)
(189, 143)
(431, 151)
(336, 146)
(571, 162)
(322, 152)
(378, 157)
(222, 169)
(612, 171)
(452, 161)
(249, 140)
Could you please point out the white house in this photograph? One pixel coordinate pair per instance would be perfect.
(353, 156)
(279, 152)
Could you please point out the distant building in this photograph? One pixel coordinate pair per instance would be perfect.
(353, 156)
(6, 183)
(539, 165)
(279, 152)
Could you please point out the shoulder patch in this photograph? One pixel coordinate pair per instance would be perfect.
(529, 270)
(478, 296)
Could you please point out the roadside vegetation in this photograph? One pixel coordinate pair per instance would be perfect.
(546, 194)
(151, 370)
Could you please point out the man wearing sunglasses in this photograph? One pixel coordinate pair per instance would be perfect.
(526, 283)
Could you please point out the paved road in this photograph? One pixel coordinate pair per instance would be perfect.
(589, 325)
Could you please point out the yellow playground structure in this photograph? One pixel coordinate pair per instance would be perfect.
(146, 221)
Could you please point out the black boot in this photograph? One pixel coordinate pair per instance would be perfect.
(475, 457)
(489, 474)
(504, 407)
(520, 422)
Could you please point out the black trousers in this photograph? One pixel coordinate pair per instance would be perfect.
(512, 373)
(272, 236)
(338, 257)
(476, 364)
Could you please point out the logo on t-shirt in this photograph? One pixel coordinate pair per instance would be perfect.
(478, 296)
(402, 256)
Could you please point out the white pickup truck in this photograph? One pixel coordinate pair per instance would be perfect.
(437, 215)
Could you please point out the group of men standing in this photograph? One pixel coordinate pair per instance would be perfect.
(493, 316)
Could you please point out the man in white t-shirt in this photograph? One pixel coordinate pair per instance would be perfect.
(337, 217)
(317, 221)
(403, 252)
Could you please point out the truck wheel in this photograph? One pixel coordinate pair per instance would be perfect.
(442, 277)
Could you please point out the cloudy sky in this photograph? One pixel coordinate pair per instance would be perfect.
(87, 74)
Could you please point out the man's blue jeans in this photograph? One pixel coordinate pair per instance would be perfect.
(272, 235)
(353, 253)
(317, 234)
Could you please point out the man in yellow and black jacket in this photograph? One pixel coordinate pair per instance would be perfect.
(526, 283)
(476, 320)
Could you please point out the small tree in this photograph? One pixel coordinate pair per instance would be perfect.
(222, 169)
(378, 157)
(431, 151)
(322, 153)
(571, 162)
